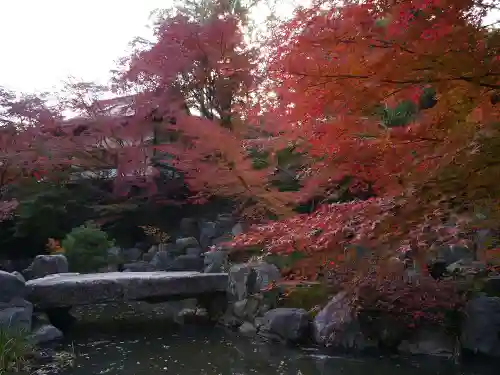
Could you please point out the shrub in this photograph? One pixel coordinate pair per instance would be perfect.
(14, 349)
(86, 248)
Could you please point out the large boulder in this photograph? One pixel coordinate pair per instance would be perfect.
(183, 243)
(187, 263)
(225, 222)
(130, 255)
(337, 326)
(114, 254)
(215, 261)
(189, 227)
(149, 255)
(237, 229)
(44, 265)
(16, 315)
(72, 290)
(434, 342)
(46, 333)
(162, 260)
(286, 324)
(481, 328)
(247, 329)
(249, 308)
(451, 254)
(139, 267)
(492, 286)
(19, 275)
(208, 231)
(249, 278)
(197, 251)
(11, 286)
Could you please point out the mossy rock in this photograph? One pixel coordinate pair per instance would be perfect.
(306, 297)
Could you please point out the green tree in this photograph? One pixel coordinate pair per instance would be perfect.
(86, 248)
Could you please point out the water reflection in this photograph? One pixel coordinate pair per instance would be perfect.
(151, 347)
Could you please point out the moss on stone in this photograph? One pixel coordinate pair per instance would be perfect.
(306, 297)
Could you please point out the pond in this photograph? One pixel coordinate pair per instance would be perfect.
(138, 341)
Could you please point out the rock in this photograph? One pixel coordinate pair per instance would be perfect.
(183, 243)
(258, 322)
(15, 302)
(429, 342)
(142, 245)
(187, 263)
(465, 267)
(149, 255)
(173, 249)
(335, 326)
(492, 286)
(46, 333)
(249, 278)
(224, 223)
(222, 242)
(109, 268)
(290, 324)
(10, 286)
(208, 231)
(65, 291)
(44, 265)
(248, 329)
(114, 254)
(189, 227)
(162, 260)
(192, 315)
(237, 229)
(56, 275)
(19, 275)
(196, 251)
(215, 261)
(17, 317)
(172, 310)
(453, 253)
(138, 267)
(482, 325)
(248, 308)
(229, 320)
(40, 318)
(130, 255)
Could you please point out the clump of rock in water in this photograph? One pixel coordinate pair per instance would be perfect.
(17, 315)
(337, 326)
(190, 251)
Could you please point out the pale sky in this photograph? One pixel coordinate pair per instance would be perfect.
(42, 42)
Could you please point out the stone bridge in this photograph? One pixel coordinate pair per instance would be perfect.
(56, 294)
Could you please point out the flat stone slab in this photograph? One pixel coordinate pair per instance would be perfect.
(65, 290)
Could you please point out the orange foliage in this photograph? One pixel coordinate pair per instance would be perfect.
(331, 68)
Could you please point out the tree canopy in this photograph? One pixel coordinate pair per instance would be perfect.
(393, 101)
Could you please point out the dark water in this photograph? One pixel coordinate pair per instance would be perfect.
(136, 342)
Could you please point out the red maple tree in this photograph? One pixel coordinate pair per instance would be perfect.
(398, 96)
(335, 69)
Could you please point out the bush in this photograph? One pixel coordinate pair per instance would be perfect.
(86, 248)
(14, 349)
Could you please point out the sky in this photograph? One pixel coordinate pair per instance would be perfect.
(45, 41)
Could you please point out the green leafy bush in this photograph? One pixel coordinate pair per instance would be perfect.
(14, 349)
(86, 248)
